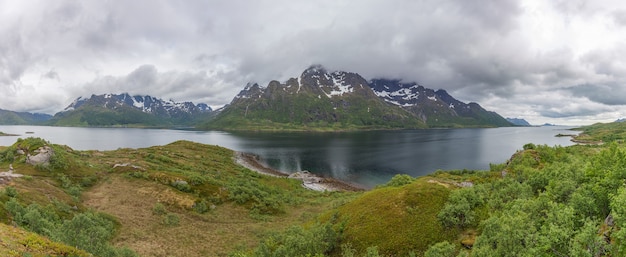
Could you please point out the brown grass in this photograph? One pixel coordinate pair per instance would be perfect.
(213, 234)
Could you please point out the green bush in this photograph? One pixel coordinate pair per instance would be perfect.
(159, 209)
(441, 249)
(171, 219)
(400, 180)
(10, 191)
(182, 185)
(201, 206)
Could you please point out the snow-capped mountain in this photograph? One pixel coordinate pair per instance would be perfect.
(147, 104)
(340, 99)
(315, 99)
(436, 108)
(114, 109)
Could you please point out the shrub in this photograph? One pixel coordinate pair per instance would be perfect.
(182, 185)
(441, 249)
(201, 207)
(171, 219)
(529, 146)
(400, 180)
(10, 191)
(159, 209)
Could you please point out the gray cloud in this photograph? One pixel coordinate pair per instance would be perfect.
(497, 53)
(608, 94)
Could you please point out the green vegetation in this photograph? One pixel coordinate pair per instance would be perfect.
(17, 242)
(166, 195)
(308, 112)
(21, 118)
(544, 201)
(96, 116)
(602, 132)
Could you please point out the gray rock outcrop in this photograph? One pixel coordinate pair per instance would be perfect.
(42, 156)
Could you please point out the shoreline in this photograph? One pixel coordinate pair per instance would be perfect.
(309, 180)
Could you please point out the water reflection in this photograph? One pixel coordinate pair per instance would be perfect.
(368, 158)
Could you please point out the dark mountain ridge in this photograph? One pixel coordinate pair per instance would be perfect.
(124, 109)
(319, 99)
(22, 118)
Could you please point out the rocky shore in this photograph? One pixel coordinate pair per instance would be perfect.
(309, 180)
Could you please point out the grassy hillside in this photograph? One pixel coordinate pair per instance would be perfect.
(159, 201)
(602, 132)
(18, 242)
(189, 199)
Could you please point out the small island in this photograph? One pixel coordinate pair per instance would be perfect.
(2, 134)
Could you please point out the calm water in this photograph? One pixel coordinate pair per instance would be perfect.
(367, 158)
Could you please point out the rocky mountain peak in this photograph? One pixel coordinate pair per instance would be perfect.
(146, 104)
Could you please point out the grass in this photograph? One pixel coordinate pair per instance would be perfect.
(18, 242)
(398, 220)
(242, 206)
(602, 133)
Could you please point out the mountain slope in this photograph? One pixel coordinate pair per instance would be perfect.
(436, 108)
(123, 109)
(22, 118)
(518, 122)
(317, 99)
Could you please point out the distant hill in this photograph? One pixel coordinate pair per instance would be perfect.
(518, 122)
(22, 118)
(123, 109)
(339, 100)
(436, 108)
(317, 99)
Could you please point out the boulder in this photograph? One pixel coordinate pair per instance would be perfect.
(42, 156)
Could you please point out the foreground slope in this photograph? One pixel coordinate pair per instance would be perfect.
(171, 200)
(160, 201)
(18, 242)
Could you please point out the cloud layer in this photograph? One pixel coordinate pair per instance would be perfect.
(546, 61)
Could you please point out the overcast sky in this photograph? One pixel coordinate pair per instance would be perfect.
(546, 61)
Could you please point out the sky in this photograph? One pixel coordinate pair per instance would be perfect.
(559, 61)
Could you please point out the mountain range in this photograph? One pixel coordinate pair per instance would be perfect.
(319, 99)
(124, 109)
(22, 118)
(518, 122)
(315, 100)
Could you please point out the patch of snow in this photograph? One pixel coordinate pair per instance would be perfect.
(397, 103)
(339, 85)
(138, 104)
(451, 106)
(383, 93)
(432, 98)
(299, 84)
(107, 96)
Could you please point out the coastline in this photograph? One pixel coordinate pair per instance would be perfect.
(309, 180)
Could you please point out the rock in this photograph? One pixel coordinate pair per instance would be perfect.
(20, 152)
(42, 157)
(609, 220)
(465, 184)
(306, 177)
(128, 165)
